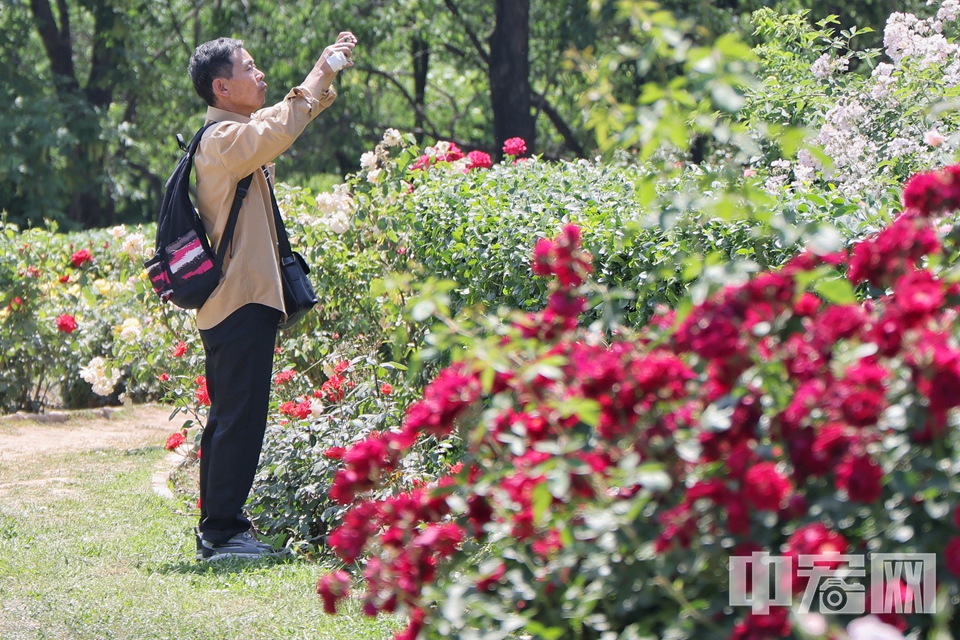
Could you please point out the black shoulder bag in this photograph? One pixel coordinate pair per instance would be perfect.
(298, 294)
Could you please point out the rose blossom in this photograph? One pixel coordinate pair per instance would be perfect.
(332, 588)
(952, 555)
(766, 487)
(861, 478)
(514, 147)
(478, 160)
(66, 323)
(815, 539)
(81, 257)
(175, 440)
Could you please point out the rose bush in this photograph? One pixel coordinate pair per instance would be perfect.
(609, 478)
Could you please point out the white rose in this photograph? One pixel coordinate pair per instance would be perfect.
(374, 176)
(134, 245)
(338, 224)
(326, 203)
(368, 160)
(130, 330)
(391, 137)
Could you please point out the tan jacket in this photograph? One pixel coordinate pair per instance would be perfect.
(229, 152)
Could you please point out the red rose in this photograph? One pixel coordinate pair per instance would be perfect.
(175, 440)
(66, 323)
(284, 376)
(757, 626)
(815, 540)
(478, 160)
(452, 155)
(332, 588)
(807, 304)
(300, 410)
(514, 147)
(931, 192)
(386, 389)
(180, 349)
(765, 487)
(423, 162)
(203, 396)
(861, 477)
(542, 264)
(952, 554)
(918, 294)
(81, 257)
(335, 453)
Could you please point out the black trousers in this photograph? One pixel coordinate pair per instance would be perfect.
(239, 367)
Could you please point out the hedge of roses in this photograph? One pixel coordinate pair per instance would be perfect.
(610, 478)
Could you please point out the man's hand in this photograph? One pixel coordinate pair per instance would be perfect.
(337, 56)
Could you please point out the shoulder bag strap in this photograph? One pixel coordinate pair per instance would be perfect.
(283, 243)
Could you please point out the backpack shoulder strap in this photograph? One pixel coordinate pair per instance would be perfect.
(192, 149)
(227, 237)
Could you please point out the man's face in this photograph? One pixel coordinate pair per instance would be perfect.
(246, 89)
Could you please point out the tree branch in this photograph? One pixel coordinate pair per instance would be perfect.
(569, 137)
(406, 95)
(56, 42)
(478, 45)
(106, 60)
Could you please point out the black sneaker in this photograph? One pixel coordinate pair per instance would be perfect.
(242, 545)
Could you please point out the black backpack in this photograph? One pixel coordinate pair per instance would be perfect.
(185, 270)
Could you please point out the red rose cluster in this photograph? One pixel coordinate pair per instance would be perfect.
(778, 397)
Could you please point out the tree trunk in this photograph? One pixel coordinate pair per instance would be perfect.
(83, 106)
(509, 73)
(421, 60)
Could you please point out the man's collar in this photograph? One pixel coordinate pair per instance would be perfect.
(215, 114)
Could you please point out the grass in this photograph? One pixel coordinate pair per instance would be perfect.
(88, 551)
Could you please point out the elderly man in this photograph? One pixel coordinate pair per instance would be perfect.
(239, 321)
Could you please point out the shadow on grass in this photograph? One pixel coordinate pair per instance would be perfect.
(142, 451)
(226, 566)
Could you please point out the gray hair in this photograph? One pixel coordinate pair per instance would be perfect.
(210, 61)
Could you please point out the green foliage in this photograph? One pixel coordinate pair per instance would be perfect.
(290, 500)
(41, 280)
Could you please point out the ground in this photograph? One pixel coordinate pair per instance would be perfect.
(27, 435)
(24, 435)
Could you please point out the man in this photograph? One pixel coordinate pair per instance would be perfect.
(239, 321)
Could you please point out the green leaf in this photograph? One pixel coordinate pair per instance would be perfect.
(837, 290)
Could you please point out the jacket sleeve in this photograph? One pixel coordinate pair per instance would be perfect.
(243, 147)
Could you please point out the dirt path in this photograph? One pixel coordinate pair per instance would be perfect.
(27, 435)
